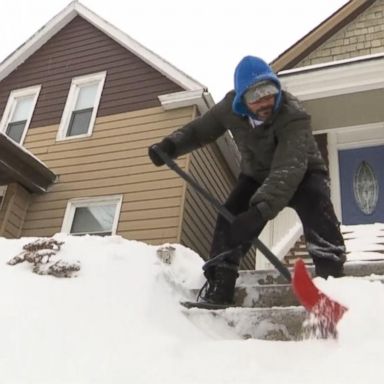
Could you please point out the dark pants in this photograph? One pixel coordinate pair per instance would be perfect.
(314, 207)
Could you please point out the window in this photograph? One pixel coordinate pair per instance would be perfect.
(81, 107)
(366, 188)
(94, 216)
(18, 112)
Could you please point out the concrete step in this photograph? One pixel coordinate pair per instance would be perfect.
(282, 324)
(274, 295)
(268, 277)
(266, 306)
(262, 296)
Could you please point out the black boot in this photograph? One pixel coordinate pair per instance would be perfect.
(220, 286)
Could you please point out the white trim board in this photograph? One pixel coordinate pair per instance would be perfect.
(336, 79)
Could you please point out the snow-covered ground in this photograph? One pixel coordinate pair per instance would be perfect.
(118, 321)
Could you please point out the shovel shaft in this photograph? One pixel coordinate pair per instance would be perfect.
(284, 271)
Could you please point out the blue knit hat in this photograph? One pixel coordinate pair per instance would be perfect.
(249, 71)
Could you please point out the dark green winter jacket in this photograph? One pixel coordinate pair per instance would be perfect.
(277, 153)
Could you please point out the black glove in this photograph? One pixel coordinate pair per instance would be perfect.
(246, 227)
(167, 146)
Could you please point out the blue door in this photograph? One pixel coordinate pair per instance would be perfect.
(362, 185)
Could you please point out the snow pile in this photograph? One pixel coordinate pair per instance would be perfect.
(118, 321)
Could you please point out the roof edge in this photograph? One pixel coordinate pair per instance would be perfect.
(338, 78)
(74, 9)
(37, 40)
(320, 34)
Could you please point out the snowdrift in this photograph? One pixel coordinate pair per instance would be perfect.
(117, 320)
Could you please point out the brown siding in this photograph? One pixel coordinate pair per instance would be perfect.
(13, 211)
(113, 161)
(81, 49)
(199, 215)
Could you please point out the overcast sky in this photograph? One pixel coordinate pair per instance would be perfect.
(204, 38)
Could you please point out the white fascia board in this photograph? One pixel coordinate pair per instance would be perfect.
(335, 78)
(331, 64)
(200, 98)
(76, 9)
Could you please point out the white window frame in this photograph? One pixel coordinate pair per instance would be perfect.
(92, 201)
(76, 83)
(11, 105)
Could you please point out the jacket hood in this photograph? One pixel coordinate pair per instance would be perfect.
(248, 72)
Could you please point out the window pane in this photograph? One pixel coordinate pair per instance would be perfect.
(15, 130)
(79, 123)
(23, 108)
(93, 219)
(86, 97)
(366, 188)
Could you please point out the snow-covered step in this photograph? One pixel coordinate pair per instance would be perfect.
(351, 268)
(262, 296)
(275, 295)
(283, 323)
(271, 295)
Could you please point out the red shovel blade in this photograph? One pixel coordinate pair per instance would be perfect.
(326, 312)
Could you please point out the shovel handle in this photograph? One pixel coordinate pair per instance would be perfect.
(284, 271)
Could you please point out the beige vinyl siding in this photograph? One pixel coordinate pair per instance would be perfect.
(113, 161)
(363, 36)
(13, 212)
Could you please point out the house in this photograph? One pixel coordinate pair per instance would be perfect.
(80, 102)
(337, 70)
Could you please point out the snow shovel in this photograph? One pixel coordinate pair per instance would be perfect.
(325, 311)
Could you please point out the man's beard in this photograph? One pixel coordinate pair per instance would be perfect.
(264, 113)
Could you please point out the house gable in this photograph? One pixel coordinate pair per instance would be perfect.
(319, 35)
(363, 36)
(75, 9)
(79, 49)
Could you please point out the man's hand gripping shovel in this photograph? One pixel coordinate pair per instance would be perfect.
(325, 311)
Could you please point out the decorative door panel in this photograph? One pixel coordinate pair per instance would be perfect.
(362, 185)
